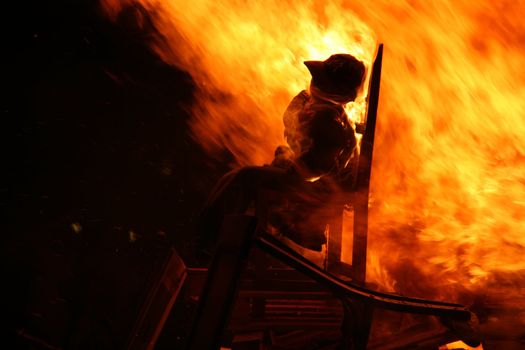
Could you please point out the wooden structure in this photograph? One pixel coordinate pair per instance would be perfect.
(223, 283)
(271, 293)
(272, 297)
(277, 299)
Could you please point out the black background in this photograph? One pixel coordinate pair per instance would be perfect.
(101, 175)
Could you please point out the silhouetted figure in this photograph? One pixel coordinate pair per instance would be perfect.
(292, 194)
(317, 127)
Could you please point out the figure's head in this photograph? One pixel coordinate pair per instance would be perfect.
(338, 78)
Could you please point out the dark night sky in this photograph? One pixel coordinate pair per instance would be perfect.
(95, 135)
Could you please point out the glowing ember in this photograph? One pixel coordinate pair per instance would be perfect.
(457, 345)
(76, 227)
(448, 182)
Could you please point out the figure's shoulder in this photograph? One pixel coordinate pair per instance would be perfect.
(299, 101)
(302, 96)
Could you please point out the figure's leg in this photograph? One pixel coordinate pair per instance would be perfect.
(235, 193)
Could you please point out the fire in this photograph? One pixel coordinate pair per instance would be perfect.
(459, 345)
(448, 181)
(247, 60)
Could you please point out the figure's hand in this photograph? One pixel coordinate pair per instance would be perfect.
(360, 128)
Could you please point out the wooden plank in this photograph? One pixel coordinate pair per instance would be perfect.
(285, 295)
(158, 304)
(283, 273)
(218, 295)
(346, 290)
(306, 286)
(286, 324)
(363, 174)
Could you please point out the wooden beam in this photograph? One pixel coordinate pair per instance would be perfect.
(219, 292)
(347, 290)
(158, 305)
(363, 174)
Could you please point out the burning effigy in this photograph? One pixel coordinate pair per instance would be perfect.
(315, 165)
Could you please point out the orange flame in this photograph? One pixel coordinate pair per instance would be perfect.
(459, 345)
(448, 181)
(247, 60)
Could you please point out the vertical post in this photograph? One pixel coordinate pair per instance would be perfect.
(357, 319)
(363, 174)
(218, 295)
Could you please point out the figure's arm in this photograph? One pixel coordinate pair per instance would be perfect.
(290, 118)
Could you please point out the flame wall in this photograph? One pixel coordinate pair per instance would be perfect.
(448, 183)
